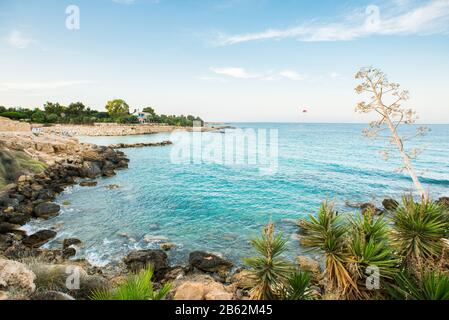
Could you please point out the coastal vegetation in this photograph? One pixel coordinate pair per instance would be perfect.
(117, 111)
(400, 254)
(135, 287)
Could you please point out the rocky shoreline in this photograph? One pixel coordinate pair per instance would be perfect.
(25, 267)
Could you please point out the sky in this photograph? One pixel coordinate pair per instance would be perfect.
(224, 60)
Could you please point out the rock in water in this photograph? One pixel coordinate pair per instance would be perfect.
(141, 259)
(390, 204)
(46, 210)
(70, 242)
(39, 238)
(209, 262)
(88, 183)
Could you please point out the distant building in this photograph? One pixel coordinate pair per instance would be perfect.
(36, 129)
(141, 116)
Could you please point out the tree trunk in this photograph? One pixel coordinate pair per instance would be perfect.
(404, 155)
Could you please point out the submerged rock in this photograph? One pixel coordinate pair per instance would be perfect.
(141, 259)
(209, 262)
(39, 238)
(88, 183)
(167, 246)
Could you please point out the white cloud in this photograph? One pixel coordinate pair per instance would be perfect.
(234, 72)
(29, 86)
(292, 75)
(429, 18)
(19, 40)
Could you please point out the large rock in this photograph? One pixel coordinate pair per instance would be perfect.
(242, 279)
(209, 262)
(390, 204)
(308, 264)
(141, 259)
(46, 210)
(16, 277)
(39, 238)
(92, 169)
(201, 287)
(71, 242)
(6, 227)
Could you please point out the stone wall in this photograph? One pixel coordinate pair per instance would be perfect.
(106, 129)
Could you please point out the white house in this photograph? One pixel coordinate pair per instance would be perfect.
(141, 116)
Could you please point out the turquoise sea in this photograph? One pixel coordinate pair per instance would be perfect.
(218, 208)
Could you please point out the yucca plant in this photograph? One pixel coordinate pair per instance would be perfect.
(433, 285)
(269, 272)
(298, 287)
(369, 247)
(136, 287)
(327, 233)
(418, 231)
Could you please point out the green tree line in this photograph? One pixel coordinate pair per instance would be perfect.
(116, 111)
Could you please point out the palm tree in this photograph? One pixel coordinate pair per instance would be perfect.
(369, 248)
(326, 232)
(433, 286)
(269, 271)
(298, 287)
(418, 231)
(136, 287)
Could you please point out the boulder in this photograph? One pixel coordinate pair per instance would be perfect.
(6, 227)
(201, 287)
(51, 296)
(91, 169)
(390, 204)
(39, 238)
(242, 279)
(19, 218)
(16, 277)
(68, 252)
(140, 259)
(70, 242)
(308, 264)
(88, 183)
(46, 210)
(209, 262)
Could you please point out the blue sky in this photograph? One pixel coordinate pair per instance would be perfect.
(225, 60)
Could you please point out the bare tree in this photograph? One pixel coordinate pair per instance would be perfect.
(386, 100)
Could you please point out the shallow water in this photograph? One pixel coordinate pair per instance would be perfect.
(219, 208)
